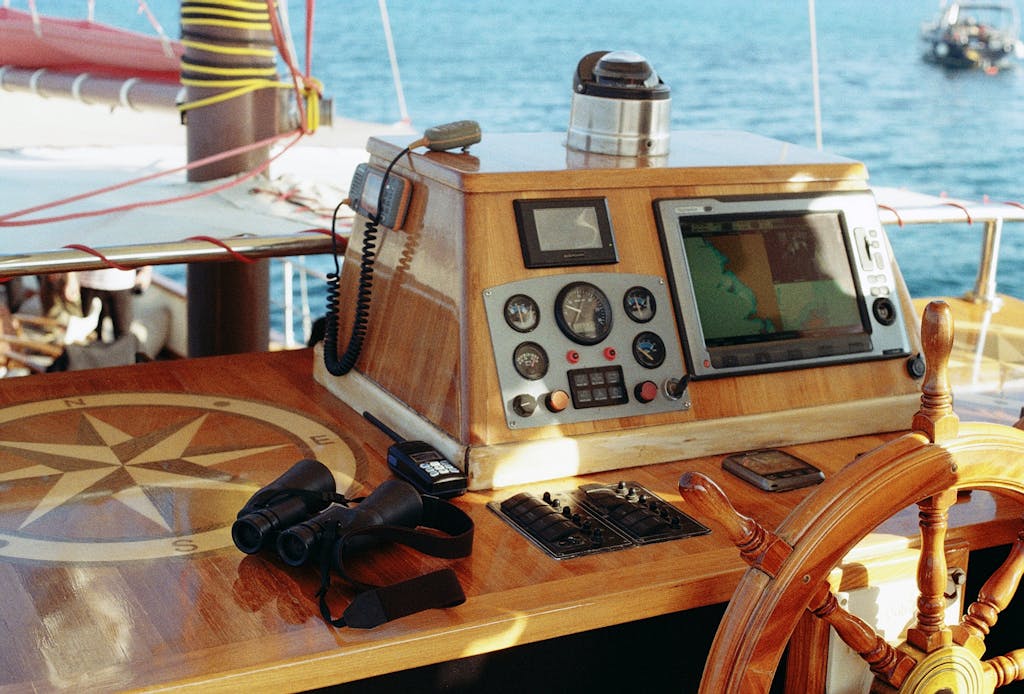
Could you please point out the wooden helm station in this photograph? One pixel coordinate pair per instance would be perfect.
(487, 339)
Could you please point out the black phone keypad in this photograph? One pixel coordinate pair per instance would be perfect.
(595, 518)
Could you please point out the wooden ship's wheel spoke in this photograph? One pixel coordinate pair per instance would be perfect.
(930, 631)
(983, 613)
(930, 466)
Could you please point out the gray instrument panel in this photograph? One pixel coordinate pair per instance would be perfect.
(582, 347)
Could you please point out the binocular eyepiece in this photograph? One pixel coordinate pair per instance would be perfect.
(303, 490)
(295, 512)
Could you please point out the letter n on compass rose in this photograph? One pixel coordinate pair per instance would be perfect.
(123, 476)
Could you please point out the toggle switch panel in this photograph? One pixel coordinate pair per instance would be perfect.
(595, 518)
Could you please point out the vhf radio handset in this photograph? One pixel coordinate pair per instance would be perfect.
(422, 465)
(383, 198)
(386, 207)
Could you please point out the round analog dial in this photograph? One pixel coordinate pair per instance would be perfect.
(583, 313)
(530, 360)
(649, 350)
(639, 304)
(521, 313)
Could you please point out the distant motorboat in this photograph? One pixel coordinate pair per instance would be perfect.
(974, 35)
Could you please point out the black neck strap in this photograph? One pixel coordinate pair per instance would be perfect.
(445, 531)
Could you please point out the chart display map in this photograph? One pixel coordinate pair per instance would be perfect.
(771, 278)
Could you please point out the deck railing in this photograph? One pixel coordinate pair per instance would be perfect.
(902, 207)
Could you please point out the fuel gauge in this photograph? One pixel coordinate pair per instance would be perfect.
(521, 313)
(639, 304)
(649, 350)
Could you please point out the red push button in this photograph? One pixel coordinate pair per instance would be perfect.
(646, 391)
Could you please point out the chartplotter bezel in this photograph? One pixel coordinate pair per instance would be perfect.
(843, 266)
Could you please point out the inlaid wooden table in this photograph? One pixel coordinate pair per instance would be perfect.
(118, 488)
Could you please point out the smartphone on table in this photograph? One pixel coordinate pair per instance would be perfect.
(772, 470)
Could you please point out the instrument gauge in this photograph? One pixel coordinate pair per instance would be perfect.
(521, 313)
(583, 313)
(530, 361)
(649, 350)
(639, 304)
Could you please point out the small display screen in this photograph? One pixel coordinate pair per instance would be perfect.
(771, 278)
(565, 232)
(370, 196)
(771, 462)
(567, 228)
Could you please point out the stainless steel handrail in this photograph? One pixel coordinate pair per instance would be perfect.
(901, 207)
(186, 251)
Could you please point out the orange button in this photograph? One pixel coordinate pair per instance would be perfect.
(557, 400)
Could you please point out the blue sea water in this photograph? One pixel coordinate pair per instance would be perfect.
(740, 64)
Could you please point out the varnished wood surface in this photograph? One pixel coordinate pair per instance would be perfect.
(197, 613)
(541, 162)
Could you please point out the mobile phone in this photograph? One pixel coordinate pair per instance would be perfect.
(772, 470)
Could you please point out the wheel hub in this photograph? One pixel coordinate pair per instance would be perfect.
(949, 670)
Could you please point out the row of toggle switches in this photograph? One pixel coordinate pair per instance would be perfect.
(595, 518)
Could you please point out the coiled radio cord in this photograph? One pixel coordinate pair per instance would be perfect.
(440, 138)
(339, 366)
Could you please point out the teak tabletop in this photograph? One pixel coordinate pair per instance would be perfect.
(119, 487)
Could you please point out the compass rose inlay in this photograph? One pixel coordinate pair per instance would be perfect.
(125, 476)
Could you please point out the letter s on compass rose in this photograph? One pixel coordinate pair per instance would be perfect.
(125, 476)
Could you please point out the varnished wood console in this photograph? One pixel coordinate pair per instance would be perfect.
(428, 363)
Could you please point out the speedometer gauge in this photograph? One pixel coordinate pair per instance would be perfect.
(583, 313)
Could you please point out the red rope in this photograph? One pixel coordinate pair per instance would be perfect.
(899, 220)
(217, 242)
(310, 9)
(959, 206)
(152, 203)
(92, 251)
(297, 77)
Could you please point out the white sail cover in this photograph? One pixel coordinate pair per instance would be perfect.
(53, 149)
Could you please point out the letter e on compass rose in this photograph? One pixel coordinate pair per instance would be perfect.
(123, 476)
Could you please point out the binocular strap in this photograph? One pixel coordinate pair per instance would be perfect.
(375, 605)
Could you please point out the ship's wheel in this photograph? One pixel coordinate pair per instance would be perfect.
(930, 466)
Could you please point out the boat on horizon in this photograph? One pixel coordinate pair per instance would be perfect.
(974, 34)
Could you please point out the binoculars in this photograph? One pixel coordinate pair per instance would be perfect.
(295, 512)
